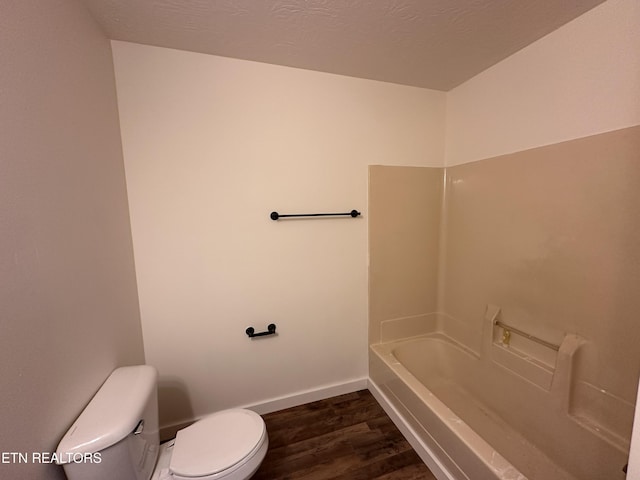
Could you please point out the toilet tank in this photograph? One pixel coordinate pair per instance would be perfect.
(116, 435)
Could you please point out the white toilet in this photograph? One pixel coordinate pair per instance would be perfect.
(116, 437)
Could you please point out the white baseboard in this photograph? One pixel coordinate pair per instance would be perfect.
(280, 403)
(423, 451)
(306, 396)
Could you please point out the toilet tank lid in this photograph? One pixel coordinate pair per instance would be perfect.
(112, 414)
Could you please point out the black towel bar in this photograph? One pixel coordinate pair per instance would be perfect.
(352, 214)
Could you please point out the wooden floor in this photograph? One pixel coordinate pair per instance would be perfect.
(348, 437)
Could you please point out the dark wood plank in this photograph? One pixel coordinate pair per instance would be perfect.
(348, 437)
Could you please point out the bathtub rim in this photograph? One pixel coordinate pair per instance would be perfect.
(426, 454)
(482, 450)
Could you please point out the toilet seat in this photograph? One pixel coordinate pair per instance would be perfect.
(219, 442)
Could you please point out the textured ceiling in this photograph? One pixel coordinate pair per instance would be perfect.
(427, 43)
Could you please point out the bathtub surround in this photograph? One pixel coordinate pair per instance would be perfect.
(545, 241)
(68, 301)
(404, 234)
(555, 233)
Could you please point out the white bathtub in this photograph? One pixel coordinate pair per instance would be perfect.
(483, 421)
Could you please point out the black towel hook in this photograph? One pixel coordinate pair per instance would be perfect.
(251, 332)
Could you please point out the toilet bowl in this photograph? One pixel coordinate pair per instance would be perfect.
(118, 431)
(238, 437)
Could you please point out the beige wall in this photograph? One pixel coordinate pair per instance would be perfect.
(212, 145)
(68, 305)
(579, 80)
